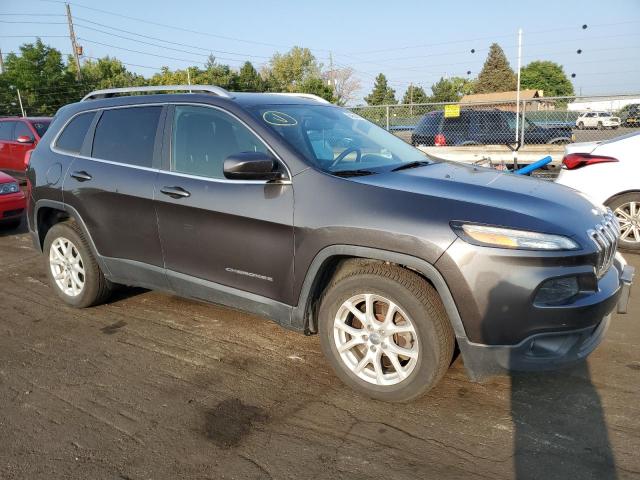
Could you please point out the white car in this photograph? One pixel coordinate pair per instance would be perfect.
(597, 120)
(609, 173)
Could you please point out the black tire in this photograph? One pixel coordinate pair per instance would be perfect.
(617, 202)
(422, 304)
(96, 287)
(599, 127)
(580, 126)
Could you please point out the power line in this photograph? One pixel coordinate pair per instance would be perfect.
(32, 22)
(160, 39)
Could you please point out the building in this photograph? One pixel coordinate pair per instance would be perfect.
(507, 100)
(607, 104)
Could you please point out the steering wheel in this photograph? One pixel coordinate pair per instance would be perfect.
(346, 152)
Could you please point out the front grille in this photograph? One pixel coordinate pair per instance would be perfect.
(605, 236)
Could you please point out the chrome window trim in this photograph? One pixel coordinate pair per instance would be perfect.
(55, 149)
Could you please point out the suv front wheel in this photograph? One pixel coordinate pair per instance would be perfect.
(71, 267)
(385, 332)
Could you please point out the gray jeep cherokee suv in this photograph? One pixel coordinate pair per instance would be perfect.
(305, 213)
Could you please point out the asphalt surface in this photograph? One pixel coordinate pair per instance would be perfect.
(151, 386)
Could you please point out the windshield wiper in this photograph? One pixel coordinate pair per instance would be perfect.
(406, 166)
(352, 173)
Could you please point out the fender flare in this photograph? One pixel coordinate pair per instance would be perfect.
(300, 314)
(75, 215)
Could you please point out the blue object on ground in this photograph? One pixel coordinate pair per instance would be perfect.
(534, 166)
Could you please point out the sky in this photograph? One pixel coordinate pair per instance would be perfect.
(409, 41)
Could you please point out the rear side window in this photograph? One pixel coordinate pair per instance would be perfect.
(6, 130)
(41, 127)
(127, 135)
(72, 137)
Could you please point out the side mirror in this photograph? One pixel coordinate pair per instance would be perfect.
(251, 166)
(25, 139)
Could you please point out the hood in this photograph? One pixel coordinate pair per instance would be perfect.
(4, 178)
(474, 194)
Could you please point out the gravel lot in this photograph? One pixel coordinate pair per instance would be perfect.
(151, 386)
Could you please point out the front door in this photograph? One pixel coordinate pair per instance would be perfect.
(218, 232)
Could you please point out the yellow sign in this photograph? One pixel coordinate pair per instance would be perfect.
(451, 111)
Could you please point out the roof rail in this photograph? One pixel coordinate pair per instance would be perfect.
(310, 96)
(110, 92)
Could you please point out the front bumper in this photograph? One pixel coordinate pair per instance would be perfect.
(12, 205)
(546, 351)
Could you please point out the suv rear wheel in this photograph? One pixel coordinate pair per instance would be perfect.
(71, 267)
(385, 332)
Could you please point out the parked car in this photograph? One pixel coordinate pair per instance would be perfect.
(630, 115)
(483, 127)
(307, 214)
(12, 202)
(609, 172)
(18, 136)
(597, 120)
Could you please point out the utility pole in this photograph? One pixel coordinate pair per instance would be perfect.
(411, 98)
(1, 62)
(20, 102)
(332, 75)
(74, 43)
(515, 152)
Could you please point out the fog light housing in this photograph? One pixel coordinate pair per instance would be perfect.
(557, 291)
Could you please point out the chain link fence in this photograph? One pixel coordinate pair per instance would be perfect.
(550, 121)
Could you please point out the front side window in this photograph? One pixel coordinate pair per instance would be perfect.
(127, 135)
(40, 126)
(334, 139)
(203, 137)
(72, 137)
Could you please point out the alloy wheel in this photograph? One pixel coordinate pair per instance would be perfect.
(376, 339)
(628, 214)
(67, 267)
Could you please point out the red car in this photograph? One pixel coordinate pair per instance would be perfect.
(12, 202)
(17, 137)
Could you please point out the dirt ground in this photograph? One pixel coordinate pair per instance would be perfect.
(151, 386)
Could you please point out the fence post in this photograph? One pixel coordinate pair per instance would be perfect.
(387, 108)
(524, 109)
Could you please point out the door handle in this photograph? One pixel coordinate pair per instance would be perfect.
(81, 176)
(175, 192)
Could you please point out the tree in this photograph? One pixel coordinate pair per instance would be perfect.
(316, 86)
(249, 79)
(345, 85)
(108, 72)
(415, 94)
(382, 93)
(288, 71)
(43, 79)
(547, 76)
(450, 89)
(496, 74)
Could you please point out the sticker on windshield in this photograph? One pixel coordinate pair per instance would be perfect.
(279, 119)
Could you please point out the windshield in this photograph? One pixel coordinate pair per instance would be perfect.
(41, 126)
(336, 140)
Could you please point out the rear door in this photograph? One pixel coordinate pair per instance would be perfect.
(111, 186)
(233, 233)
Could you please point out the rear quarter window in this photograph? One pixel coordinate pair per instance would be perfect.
(73, 135)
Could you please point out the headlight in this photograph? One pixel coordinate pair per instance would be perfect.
(11, 187)
(516, 239)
